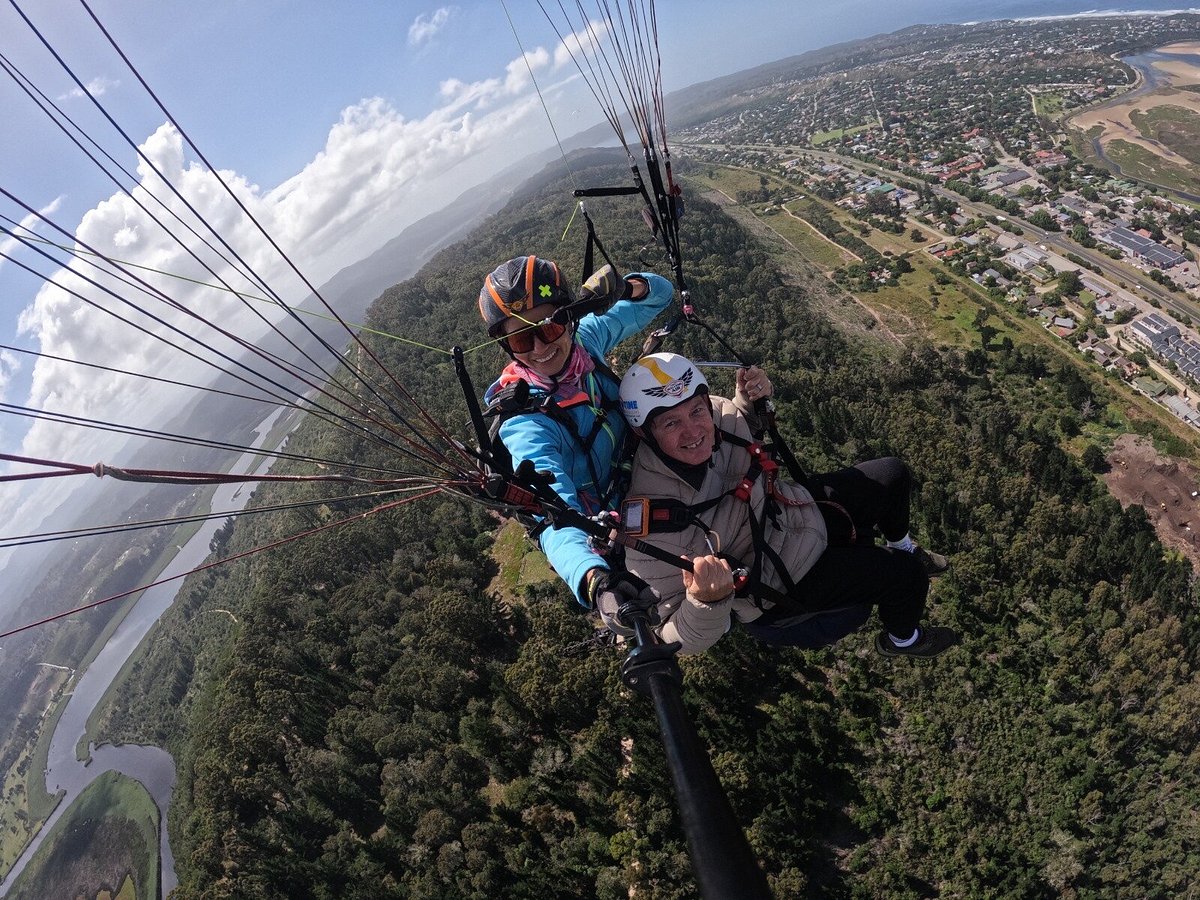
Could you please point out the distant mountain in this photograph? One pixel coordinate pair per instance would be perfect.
(355, 287)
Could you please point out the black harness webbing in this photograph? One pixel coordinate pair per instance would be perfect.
(516, 401)
(593, 244)
(668, 515)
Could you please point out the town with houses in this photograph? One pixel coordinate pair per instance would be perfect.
(968, 151)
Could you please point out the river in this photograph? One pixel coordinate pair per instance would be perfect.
(152, 766)
(1152, 79)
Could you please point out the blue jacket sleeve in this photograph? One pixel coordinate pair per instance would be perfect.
(546, 444)
(626, 317)
(551, 449)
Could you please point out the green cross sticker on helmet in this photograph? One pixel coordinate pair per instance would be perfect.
(518, 285)
(658, 382)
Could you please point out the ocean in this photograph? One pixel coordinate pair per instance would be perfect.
(705, 42)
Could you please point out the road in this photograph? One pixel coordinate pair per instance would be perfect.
(1059, 242)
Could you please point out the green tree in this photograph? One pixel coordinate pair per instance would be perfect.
(1069, 283)
(1043, 220)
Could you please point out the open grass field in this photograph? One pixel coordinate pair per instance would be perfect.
(1048, 105)
(106, 842)
(809, 243)
(728, 180)
(521, 564)
(790, 227)
(824, 137)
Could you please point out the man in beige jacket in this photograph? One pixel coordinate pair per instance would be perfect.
(775, 556)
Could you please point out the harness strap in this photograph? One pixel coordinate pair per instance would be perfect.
(643, 516)
(515, 400)
(593, 239)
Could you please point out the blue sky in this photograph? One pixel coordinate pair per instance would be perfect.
(338, 123)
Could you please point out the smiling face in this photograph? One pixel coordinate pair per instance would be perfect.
(545, 359)
(686, 432)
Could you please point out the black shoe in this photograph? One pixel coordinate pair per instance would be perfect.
(934, 640)
(934, 564)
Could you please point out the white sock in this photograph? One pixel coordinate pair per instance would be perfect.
(905, 643)
(905, 543)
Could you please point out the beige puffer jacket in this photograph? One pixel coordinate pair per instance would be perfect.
(799, 538)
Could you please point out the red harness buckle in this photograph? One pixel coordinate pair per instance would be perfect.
(761, 462)
(742, 491)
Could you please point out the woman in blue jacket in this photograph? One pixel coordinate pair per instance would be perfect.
(580, 442)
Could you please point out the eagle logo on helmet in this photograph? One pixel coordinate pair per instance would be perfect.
(675, 388)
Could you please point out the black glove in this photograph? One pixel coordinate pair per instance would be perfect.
(610, 591)
(604, 288)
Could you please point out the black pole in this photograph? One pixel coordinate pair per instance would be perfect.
(724, 865)
(477, 423)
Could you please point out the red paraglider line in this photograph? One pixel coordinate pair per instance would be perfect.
(218, 562)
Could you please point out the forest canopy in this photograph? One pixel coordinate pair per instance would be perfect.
(378, 724)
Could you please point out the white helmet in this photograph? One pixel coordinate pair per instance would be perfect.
(656, 382)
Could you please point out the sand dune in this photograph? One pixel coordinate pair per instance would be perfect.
(1182, 47)
(1179, 72)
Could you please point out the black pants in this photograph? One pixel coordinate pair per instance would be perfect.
(853, 570)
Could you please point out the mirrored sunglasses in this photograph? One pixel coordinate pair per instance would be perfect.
(522, 341)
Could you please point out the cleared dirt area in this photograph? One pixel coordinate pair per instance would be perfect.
(1164, 486)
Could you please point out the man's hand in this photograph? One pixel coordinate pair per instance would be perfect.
(753, 384)
(710, 581)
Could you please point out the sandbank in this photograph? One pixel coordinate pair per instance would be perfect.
(1181, 47)
(1179, 72)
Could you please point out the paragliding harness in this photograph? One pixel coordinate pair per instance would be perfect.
(641, 517)
(515, 400)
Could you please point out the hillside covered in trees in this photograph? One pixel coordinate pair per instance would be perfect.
(376, 724)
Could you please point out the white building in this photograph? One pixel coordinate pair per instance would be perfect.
(1024, 259)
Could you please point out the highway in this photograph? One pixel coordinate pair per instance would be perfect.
(1178, 303)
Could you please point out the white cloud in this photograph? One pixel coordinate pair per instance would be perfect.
(126, 237)
(515, 82)
(97, 87)
(426, 27)
(582, 44)
(378, 172)
(10, 245)
(9, 366)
